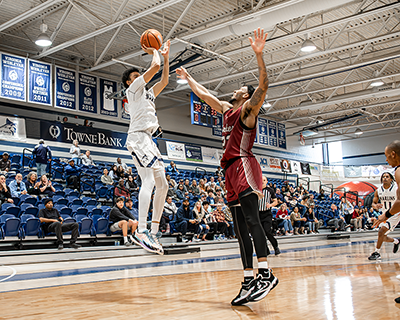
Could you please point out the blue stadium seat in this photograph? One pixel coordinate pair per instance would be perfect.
(9, 225)
(85, 224)
(96, 211)
(100, 224)
(66, 211)
(6, 205)
(30, 225)
(31, 200)
(59, 207)
(16, 159)
(91, 202)
(82, 211)
(76, 201)
(13, 211)
(75, 207)
(34, 211)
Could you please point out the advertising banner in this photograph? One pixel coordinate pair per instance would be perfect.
(305, 168)
(193, 153)
(13, 80)
(175, 150)
(296, 167)
(39, 82)
(12, 128)
(65, 88)
(274, 164)
(285, 165)
(210, 155)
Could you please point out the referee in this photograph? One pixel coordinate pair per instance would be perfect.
(268, 201)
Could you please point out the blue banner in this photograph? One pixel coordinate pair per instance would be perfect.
(217, 125)
(193, 153)
(87, 93)
(273, 140)
(88, 136)
(281, 135)
(39, 82)
(263, 131)
(65, 88)
(13, 81)
(108, 106)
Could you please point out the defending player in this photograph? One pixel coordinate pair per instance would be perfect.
(243, 173)
(386, 194)
(146, 156)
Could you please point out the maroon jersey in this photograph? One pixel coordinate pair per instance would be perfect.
(237, 140)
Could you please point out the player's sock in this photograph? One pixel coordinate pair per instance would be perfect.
(263, 268)
(396, 241)
(155, 226)
(248, 276)
(126, 239)
(377, 250)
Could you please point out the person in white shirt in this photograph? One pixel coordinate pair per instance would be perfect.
(87, 159)
(146, 156)
(122, 164)
(75, 152)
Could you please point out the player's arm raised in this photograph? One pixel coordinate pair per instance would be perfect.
(155, 64)
(159, 86)
(202, 92)
(252, 106)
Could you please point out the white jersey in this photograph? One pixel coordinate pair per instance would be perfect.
(141, 107)
(387, 196)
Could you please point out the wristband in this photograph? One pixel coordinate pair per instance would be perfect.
(388, 214)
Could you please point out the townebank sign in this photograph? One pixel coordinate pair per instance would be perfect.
(64, 132)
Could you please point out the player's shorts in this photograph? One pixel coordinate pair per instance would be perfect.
(391, 223)
(243, 177)
(144, 151)
(115, 227)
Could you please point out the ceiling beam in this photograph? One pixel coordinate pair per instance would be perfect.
(178, 22)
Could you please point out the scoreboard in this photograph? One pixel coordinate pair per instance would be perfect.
(202, 114)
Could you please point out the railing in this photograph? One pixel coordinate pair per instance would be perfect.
(84, 175)
(200, 169)
(328, 186)
(26, 157)
(305, 179)
(314, 181)
(347, 192)
(61, 172)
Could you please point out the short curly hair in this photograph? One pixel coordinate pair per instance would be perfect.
(126, 75)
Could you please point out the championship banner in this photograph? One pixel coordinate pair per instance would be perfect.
(281, 136)
(13, 80)
(296, 167)
(87, 93)
(65, 87)
(175, 150)
(108, 106)
(273, 139)
(66, 132)
(285, 165)
(217, 125)
(305, 168)
(210, 155)
(39, 82)
(263, 131)
(274, 164)
(12, 128)
(193, 153)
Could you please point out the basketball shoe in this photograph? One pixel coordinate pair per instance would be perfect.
(374, 256)
(244, 293)
(156, 239)
(145, 240)
(396, 247)
(263, 286)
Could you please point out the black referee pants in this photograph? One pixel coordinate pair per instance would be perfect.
(266, 222)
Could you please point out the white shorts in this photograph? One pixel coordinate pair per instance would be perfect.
(144, 151)
(115, 227)
(391, 223)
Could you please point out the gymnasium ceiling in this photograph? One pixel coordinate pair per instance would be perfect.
(357, 42)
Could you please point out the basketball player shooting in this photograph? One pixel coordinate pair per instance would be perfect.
(146, 156)
(243, 173)
(386, 195)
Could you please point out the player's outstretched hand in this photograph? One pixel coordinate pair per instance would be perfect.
(259, 40)
(165, 50)
(381, 218)
(148, 50)
(182, 73)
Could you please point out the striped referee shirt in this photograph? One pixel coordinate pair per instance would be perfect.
(268, 197)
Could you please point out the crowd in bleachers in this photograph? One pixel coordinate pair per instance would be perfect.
(195, 206)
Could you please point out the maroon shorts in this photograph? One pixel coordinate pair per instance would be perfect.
(243, 177)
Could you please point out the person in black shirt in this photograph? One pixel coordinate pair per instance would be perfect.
(53, 222)
(268, 201)
(5, 163)
(5, 195)
(122, 219)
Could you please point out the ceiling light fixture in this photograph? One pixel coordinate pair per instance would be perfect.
(308, 46)
(358, 132)
(43, 39)
(319, 120)
(377, 83)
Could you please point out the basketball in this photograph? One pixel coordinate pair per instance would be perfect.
(151, 38)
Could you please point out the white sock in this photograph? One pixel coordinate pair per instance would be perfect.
(263, 265)
(125, 239)
(396, 241)
(155, 226)
(377, 250)
(248, 274)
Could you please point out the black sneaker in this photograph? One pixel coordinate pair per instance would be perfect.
(277, 251)
(375, 256)
(75, 246)
(244, 293)
(60, 246)
(397, 300)
(396, 246)
(263, 286)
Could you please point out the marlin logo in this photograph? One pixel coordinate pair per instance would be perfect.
(9, 128)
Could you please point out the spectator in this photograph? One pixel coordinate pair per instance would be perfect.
(180, 182)
(222, 224)
(298, 221)
(211, 199)
(209, 184)
(200, 215)
(43, 155)
(120, 172)
(171, 193)
(120, 191)
(310, 201)
(86, 123)
(5, 163)
(184, 219)
(346, 209)
(186, 186)
(285, 222)
(46, 187)
(168, 215)
(202, 185)
(105, 178)
(87, 159)
(129, 206)
(32, 184)
(131, 185)
(171, 182)
(5, 194)
(17, 186)
(194, 188)
(322, 195)
(228, 218)
(356, 219)
(53, 222)
(75, 152)
(122, 219)
(180, 193)
(219, 172)
(279, 196)
(113, 172)
(335, 218)
(312, 222)
(304, 201)
(72, 174)
(172, 167)
(119, 163)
